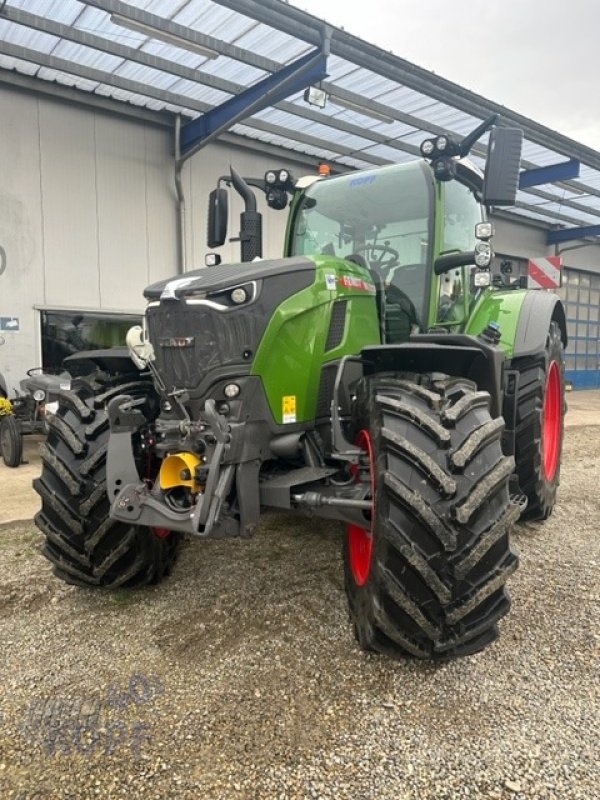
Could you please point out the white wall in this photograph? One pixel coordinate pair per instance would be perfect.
(516, 239)
(88, 213)
(526, 241)
(21, 232)
(202, 172)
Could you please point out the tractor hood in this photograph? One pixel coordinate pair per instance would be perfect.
(224, 276)
(213, 319)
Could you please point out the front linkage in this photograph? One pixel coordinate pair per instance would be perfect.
(141, 502)
(214, 493)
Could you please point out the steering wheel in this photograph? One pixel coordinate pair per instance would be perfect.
(376, 253)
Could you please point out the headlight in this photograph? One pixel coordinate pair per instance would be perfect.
(232, 296)
(484, 230)
(483, 254)
(427, 147)
(39, 395)
(231, 390)
(441, 143)
(482, 278)
(270, 177)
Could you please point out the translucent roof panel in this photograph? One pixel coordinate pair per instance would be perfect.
(189, 56)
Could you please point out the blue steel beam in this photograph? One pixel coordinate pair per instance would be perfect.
(568, 234)
(555, 172)
(298, 75)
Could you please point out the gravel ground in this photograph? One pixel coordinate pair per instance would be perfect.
(239, 677)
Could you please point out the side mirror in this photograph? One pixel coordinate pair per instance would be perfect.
(501, 179)
(217, 218)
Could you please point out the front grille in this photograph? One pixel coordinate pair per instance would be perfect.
(190, 340)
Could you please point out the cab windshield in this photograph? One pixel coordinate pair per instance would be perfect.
(383, 215)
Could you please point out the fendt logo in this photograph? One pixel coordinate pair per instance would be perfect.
(178, 341)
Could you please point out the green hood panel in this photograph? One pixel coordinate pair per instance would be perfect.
(293, 350)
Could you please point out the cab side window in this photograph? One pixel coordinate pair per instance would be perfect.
(461, 213)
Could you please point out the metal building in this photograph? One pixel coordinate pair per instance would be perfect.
(104, 102)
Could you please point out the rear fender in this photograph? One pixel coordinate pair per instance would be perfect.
(524, 318)
(539, 309)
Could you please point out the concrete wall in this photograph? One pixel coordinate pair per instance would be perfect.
(202, 172)
(514, 239)
(526, 241)
(88, 213)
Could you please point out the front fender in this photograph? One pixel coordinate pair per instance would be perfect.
(524, 318)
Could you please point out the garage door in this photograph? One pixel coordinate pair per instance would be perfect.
(581, 295)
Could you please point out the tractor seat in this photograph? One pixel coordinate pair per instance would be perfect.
(400, 311)
(404, 294)
(411, 279)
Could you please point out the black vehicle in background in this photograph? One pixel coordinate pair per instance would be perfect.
(26, 412)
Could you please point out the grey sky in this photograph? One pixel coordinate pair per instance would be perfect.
(538, 57)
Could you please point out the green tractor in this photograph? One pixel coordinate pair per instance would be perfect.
(376, 375)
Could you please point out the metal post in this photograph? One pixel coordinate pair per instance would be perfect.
(181, 229)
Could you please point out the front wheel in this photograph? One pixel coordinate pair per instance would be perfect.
(11, 441)
(85, 546)
(425, 575)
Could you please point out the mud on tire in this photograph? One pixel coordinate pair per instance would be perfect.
(84, 545)
(440, 557)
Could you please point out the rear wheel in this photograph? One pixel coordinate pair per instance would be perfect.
(425, 575)
(541, 408)
(11, 441)
(85, 546)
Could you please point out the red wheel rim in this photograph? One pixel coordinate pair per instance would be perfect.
(360, 540)
(552, 422)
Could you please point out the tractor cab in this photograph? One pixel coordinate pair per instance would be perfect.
(419, 228)
(396, 221)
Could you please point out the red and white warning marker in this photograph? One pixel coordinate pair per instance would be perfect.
(544, 273)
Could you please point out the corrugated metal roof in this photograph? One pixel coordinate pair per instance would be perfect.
(79, 43)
